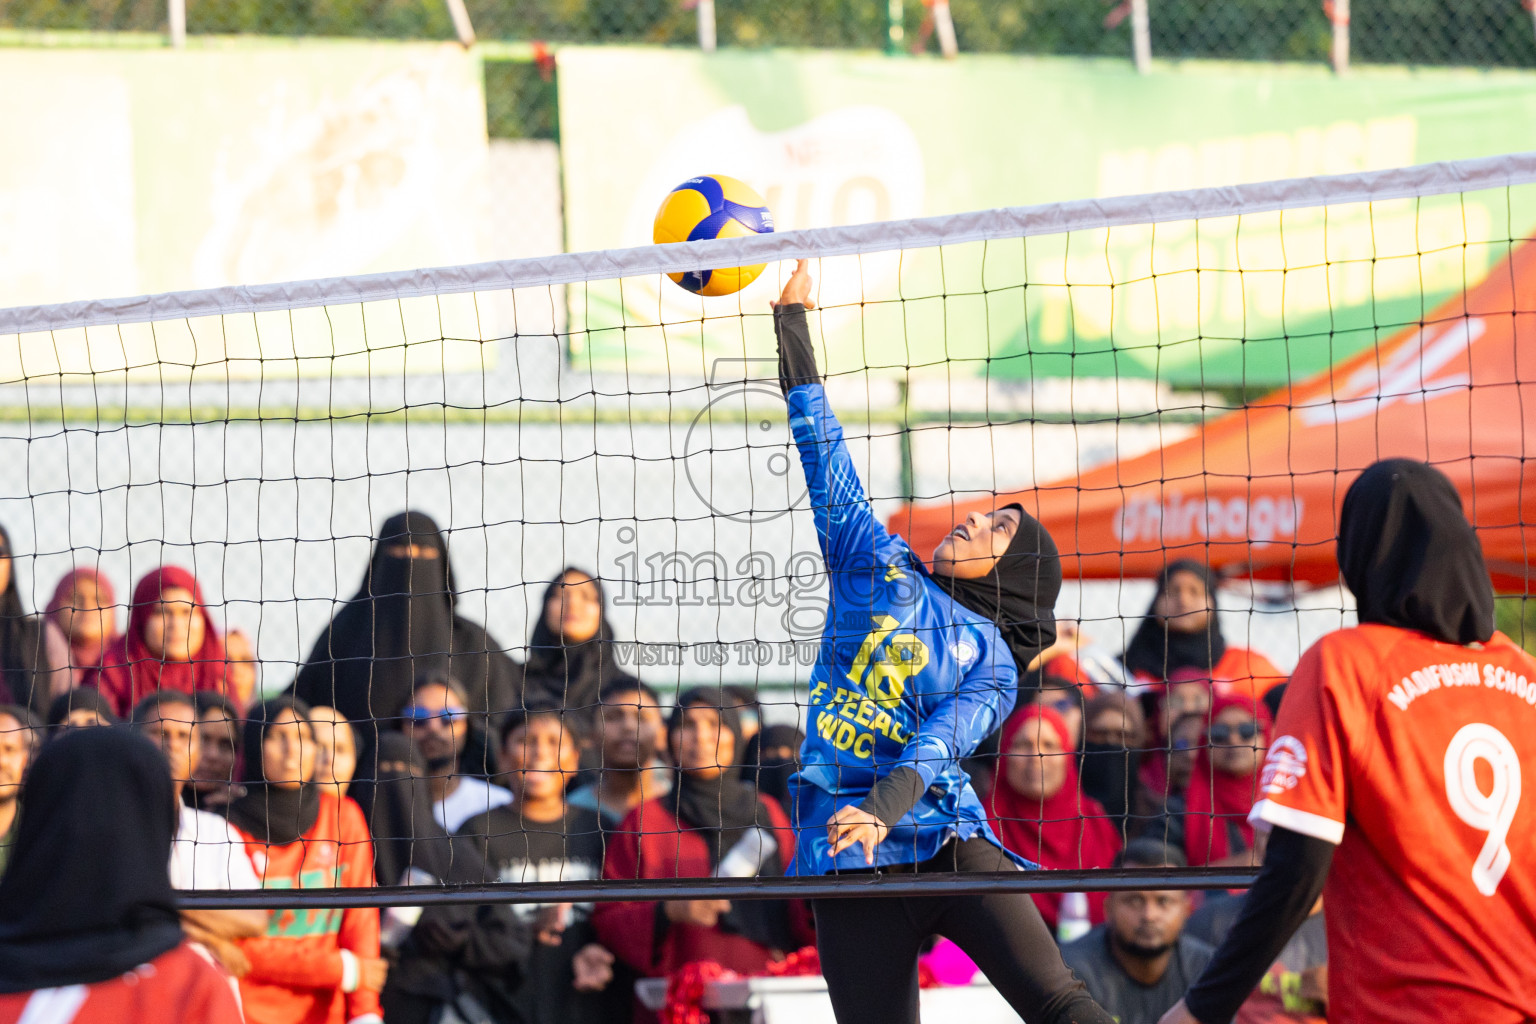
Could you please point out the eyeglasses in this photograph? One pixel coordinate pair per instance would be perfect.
(420, 715)
(1222, 732)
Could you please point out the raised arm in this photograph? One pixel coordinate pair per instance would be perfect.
(846, 526)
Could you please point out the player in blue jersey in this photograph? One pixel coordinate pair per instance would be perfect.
(917, 667)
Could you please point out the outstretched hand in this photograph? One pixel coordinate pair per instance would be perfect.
(851, 825)
(797, 290)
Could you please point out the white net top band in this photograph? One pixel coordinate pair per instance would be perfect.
(952, 229)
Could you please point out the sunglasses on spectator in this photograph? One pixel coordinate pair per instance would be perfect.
(420, 715)
(1223, 733)
(1061, 706)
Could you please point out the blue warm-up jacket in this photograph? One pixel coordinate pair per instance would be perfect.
(906, 676)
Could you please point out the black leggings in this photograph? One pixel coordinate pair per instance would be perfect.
(869, 947)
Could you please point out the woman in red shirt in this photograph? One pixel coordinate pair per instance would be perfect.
(92, 938)
(312, 966)
(713, 822)
(1038, 810)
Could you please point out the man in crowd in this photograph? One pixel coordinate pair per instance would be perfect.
(629, 729)
(18, 742)
(206, 852)
(1138, 963)
(437, 720)
(1295, 988)
(568, 978)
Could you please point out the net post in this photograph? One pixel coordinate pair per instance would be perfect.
(176, 22)
(1141, 36)
(944, 24)
(707, 25)
(462, 26)
(1338, 13)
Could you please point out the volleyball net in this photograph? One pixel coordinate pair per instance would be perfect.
(1184, 376)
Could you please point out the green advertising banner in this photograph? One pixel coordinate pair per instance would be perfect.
(133, 171)
(835, 139)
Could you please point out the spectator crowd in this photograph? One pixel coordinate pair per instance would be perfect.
(412, 749)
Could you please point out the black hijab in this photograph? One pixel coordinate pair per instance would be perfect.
(1408, 554)
(271, 814)
(396, 798)
(1019, 592)
(400, 627)
(87, 895)
(23, 644)
(566, 675)
(1158, 651)
(724, 808)
(772, 770)
(397, 628)
(724, 805)
(450, 947)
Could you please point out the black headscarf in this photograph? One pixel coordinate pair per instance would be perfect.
(271, 814)
(23, 645)
(87, 895)
(1157, 650)
(772, 770)
(397, 627)
(450, 947)
(1019, 592)
(571, 675)
(400, 627)
(81, 698)
(1408, 554)
(724, 805)
(396, 798)
(724, 808)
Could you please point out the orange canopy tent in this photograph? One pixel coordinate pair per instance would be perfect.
(1257, 491)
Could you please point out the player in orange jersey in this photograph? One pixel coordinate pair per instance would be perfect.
(1395, 776)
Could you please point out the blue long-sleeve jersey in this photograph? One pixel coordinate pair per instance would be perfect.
(906, 676)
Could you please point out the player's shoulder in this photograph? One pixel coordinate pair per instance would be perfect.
(1366, 646)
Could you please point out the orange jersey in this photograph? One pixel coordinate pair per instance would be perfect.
(175, 986)
(1411, 755)
(297, 970)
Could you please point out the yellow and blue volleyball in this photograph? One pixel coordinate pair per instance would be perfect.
(713, 206)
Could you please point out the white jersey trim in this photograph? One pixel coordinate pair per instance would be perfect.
(55, 1005)
(1267, 812)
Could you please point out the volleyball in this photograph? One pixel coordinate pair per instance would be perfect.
(713, 206)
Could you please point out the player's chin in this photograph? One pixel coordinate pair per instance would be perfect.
(943, 560)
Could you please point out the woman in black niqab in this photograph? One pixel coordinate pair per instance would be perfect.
(402, 626)
(1408, 554)
(1159, 648)
(87, 895)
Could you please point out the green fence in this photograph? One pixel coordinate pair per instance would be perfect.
(1460, 32)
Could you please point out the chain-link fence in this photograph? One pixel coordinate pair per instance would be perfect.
(1457, 32)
